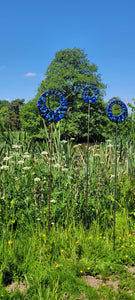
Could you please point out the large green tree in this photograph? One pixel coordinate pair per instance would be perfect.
(31, 121)
(69, 72)
(4, 103)
(12, 118)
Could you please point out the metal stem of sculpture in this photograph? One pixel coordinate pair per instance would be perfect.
(116, 119)
(115, 186)
(89, 99)
(50, 175)
(52, 116)
(87, 180)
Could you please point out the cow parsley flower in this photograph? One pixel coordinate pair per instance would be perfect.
(26, 168)
(37, 179)
(4, 167)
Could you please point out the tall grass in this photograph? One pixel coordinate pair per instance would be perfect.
(24, 169)
(28, 252)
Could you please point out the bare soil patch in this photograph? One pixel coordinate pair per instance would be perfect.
(96, 282)
(16, 286)
(113, 284)
(93, 281)
(132, 269)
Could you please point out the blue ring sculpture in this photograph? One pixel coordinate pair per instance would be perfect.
(117, 118)
(94, 97)
(48, 114)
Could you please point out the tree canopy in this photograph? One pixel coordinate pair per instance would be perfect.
(69, 72)
(4, 103)
(10, 113)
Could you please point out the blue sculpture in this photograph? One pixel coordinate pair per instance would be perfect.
(94, 91)
(48, 114)
(120, 117)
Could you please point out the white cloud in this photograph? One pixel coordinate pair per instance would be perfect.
(30, 74)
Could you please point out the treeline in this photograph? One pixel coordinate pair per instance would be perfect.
(69, 72)
(16, 115)
(10, 113)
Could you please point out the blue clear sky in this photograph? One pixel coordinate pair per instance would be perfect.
(32, 31)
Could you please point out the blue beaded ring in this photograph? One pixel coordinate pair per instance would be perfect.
(52, 115)
(95, 94)
(122, 116)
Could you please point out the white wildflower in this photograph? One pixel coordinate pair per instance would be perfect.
(52, 158)
(52, 201)
(44, 152)
(112, 176)
(16, 146)
(72, 139)
(4, 167)
(36, 179)
(7, 158)
(63, 142)
(110, 145)
(26, 156)
(26, 168)
(70, 177)
(96, 154)
(108, 141)
(56, 165)
(65, 169)
(78, 145)
(21, 162)
(15, 153)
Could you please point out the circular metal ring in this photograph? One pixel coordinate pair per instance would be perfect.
(120, 117)
(95, 94)
(48, 114)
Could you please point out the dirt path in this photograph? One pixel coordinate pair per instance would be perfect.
(97, 282)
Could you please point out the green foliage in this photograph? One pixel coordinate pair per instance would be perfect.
(24, 162)
(31, 121)
(10, 114)
(132, 106)
(55, 264)
(69, 73)
(13, 117)
(4, 111)
(4, 103)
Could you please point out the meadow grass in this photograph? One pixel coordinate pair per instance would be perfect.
(54, 264)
